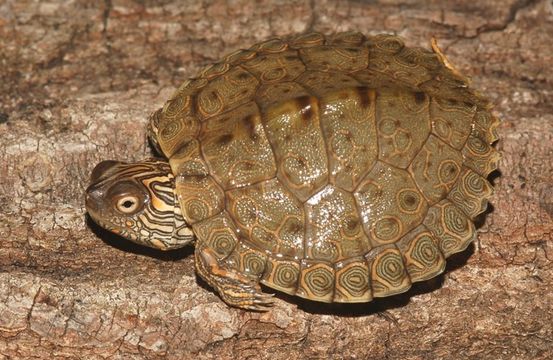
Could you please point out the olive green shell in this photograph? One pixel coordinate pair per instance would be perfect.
(336, 168)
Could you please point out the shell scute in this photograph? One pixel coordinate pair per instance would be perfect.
(294, 131)
(388, 273)
(452, 121)
(422, 257)
(270, 95)
(247, 260)
(272, 68)
(282, 275)
(405, 65)
(436, 168)
(226, 92)
(479, 155)
(316, 281)
(390, 204)
(204, 198)
(275, 45)
(470, 193)
(307, 40)
(321, 83)
(348, 120)
(270, 218)
(453, 229)
(235, 147)
(348, 38)
(389, 44)
(215, 70)
(239, 56)
(199, 195)
(219, 233)
(403, 123)
(334, 228)
(352, 284)
(175, 123)
(335, 58)
(485, 124)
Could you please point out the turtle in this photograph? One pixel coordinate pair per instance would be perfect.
(337, 168)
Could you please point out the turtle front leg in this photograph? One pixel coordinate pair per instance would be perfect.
(235, 288)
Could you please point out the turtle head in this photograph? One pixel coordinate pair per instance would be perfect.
(138, 202)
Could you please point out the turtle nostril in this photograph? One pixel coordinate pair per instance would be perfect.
(93, 197)
(101, 169)
(89, 203)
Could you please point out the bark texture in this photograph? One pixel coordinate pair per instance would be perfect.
(78, 80)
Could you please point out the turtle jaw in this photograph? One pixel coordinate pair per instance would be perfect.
(104, 225)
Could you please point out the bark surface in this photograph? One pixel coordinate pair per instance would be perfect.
(78, 80)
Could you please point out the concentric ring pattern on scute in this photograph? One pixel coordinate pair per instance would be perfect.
(338, 168)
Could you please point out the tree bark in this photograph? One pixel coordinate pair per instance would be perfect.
(78, 81)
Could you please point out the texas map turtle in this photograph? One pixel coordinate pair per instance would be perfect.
(336, 168)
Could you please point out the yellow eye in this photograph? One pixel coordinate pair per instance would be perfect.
(128, 204)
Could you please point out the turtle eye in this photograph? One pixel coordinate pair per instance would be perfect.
(128, 204)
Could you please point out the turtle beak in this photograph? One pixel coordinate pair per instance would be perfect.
(95, 191)
(93, 199)
(102, 169)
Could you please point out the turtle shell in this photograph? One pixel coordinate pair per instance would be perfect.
(336, 168)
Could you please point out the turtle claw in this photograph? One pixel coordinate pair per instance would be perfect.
(265, 299)
(263, 302)
(260, 305)
(245, 296)
(235, 288)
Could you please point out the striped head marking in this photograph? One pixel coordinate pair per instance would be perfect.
(138, 202)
